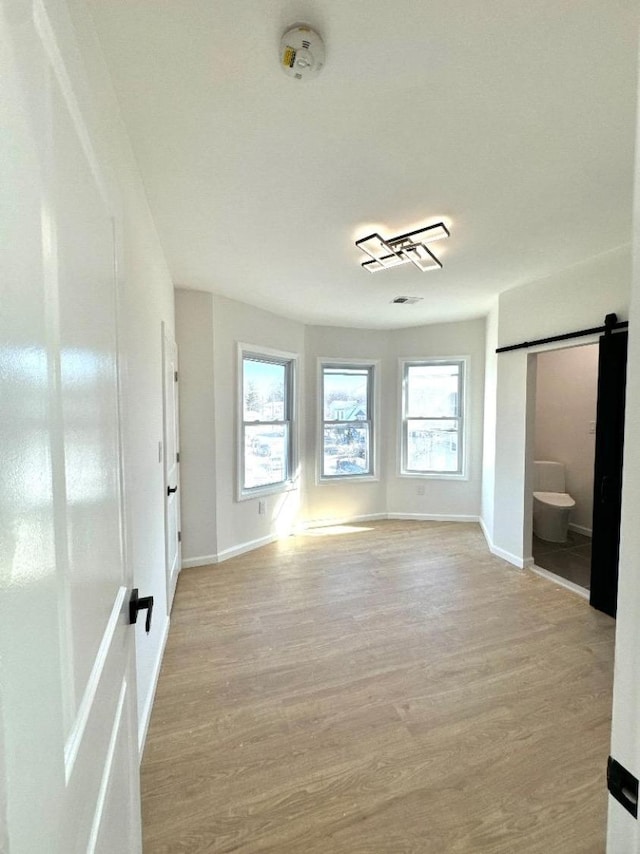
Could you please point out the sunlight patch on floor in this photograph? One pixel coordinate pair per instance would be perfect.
(334, 530)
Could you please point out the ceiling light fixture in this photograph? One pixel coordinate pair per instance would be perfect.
(410, 247)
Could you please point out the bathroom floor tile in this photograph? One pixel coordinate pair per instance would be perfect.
(583, 551)
(575, 539)
(570, 560)
(541, 547)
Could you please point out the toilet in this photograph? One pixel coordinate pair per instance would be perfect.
(551, 504)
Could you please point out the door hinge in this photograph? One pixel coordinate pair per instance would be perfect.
(178, 457)
(623, 786)
(179, 536)
(175, 376)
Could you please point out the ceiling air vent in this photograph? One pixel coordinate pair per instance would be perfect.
(406, 300)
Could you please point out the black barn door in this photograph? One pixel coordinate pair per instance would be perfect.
(607, 489)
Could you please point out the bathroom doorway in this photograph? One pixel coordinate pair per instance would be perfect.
(565, 433)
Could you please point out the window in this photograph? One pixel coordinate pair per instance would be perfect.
(347, 420)
(266, 431)
(432, 417)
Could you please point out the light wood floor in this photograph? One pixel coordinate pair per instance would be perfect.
(393, 689)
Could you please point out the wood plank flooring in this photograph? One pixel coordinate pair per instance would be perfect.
(381, 689)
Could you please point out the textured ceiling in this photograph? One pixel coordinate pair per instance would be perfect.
(513, 122)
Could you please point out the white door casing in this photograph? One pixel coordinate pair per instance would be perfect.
(67, 673)
(173, 547)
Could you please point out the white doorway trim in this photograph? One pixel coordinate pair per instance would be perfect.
(171, 463)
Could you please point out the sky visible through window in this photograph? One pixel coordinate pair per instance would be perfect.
(432, 408)
(341, 387)
(433, 391)
(264, 388)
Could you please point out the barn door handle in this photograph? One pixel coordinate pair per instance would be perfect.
(604, 489)
(140, 603)
(171, 490)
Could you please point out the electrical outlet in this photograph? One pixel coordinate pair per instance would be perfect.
(420, 489)
(262, 507)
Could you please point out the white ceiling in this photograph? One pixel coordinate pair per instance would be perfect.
(512, 121)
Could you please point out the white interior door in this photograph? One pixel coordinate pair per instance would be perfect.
(623, 831)
(173, 547)
(623, 835)
(70, 774)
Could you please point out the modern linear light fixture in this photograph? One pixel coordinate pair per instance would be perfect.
(410, 247)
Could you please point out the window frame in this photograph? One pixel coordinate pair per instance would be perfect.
(290, 362)
(373, 419)
(461, 417)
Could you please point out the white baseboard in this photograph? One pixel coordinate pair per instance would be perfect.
(486, 533)
(341, 520)
(320, 523)
(243, 548)
(498, 552)
(580, 529)
(433, 517)
(225, 554)
(199, 561)
(505, 555)
(249, 546)
(372, 517)
(143, 725)
(561, 582)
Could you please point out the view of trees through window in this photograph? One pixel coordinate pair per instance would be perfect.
(433, 417)
(266, 422)
(346, 403)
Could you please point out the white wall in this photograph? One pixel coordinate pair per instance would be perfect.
(570, 299)
(393, 494)
(576, 298)
(489, 431)
(209, 328)
(239, 524)
(565, 414)
(443, 497)
(194, 335)
(147, 300)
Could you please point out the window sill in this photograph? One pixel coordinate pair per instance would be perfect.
(416, 475)
(351, 478)
(271, 489)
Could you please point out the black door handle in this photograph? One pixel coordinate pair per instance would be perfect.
(171, 490)
(140, 603)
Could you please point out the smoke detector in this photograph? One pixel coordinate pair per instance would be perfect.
(301, 52)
